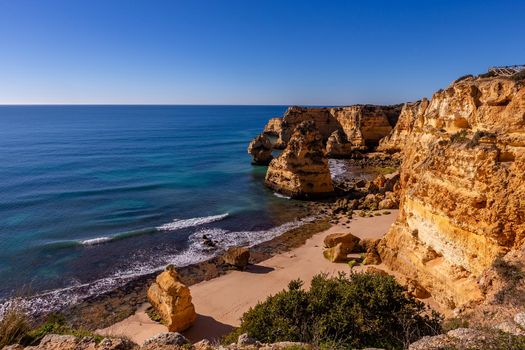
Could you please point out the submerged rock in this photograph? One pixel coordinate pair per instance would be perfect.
(172, 300)
(301, 171)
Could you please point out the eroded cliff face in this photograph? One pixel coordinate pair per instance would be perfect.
(396, 140)
(301, 170)
(362, 126)
(463, 187)
(365, 125)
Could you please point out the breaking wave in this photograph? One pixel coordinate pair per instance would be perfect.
(197, 251)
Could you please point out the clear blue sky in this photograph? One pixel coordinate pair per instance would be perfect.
(249, 52)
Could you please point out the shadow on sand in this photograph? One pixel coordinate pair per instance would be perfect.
(206, 327)
(258, 269)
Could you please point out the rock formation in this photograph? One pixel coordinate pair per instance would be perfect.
(273, 127)
(301, 171)
(261, 150)
(365, 125)
(172, 300)
(462, 188)
(237, 257)
(338, 145)
(358, 127)
(396, 140)
(339, 245)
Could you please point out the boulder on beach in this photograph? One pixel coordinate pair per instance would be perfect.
(339, 245)
(237, 257)
(348, 239)
(172, 300)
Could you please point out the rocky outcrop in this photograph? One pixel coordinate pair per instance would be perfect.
(462, 189)
(162, 341)
(237, 257)
(323, 120)
(358, 127)
(273, 127)
(70, 342)
(396, 140)
(339, 245)
(172, 301)
(261, 150)
(365, 125)
(301, 171)
(338, 145)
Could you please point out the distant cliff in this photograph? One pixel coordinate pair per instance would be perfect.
(361, 126)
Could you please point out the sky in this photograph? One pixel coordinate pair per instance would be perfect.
(281, 52)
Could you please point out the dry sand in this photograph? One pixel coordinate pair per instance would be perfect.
(221, 302)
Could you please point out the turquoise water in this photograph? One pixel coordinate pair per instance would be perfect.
(91, 196)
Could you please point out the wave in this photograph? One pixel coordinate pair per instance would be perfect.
(197, 251)
(337, 168)
(176, 224)
(281, 195)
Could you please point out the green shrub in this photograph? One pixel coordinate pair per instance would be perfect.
(459, 137)
(56, 324)
(349, 311)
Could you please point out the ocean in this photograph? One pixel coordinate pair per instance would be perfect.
(92, 196)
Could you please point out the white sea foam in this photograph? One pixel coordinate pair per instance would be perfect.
(184, 223)
(337, 168)
(280, 195)
(58, 299)
(94, 241)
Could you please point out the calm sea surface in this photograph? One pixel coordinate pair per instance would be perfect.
(91, 196)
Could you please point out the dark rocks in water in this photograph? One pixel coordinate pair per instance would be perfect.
(208, 242)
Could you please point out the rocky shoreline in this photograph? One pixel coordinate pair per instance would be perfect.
(106, 309)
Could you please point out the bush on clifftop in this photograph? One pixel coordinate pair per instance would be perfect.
(349, 311)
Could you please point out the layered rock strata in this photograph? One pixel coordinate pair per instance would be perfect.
(301, 171)
(396, 140)
(261, 150)
(172, 300)
(462, 188)
(358, 127)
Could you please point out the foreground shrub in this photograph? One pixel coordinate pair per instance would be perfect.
(13, 326)
(348, 311)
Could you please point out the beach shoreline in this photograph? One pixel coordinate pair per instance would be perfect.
(234, 292)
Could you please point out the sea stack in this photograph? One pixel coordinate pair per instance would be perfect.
(261, 150)
(301, 171)
(172, 300)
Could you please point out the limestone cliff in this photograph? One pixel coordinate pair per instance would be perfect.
(261, 150)
(396, 140)
(301, 171)
(462, 187)
(358, 127)
(365, 125)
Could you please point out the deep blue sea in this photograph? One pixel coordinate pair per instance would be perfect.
(91, 196)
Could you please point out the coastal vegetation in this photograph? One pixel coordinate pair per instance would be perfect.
(348, 311)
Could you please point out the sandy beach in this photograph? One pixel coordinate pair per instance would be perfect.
(221, 302)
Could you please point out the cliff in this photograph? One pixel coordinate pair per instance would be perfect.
(396, 140)
(362, 126)
(462, 187)
(301, 171)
